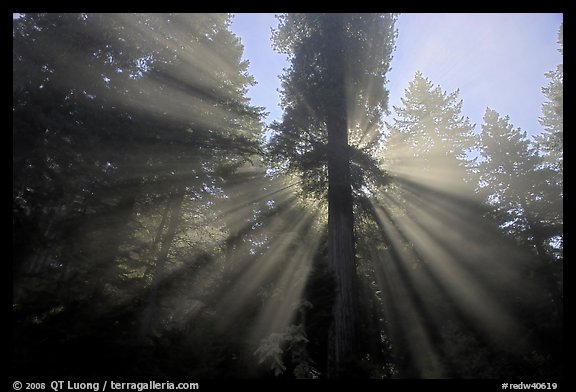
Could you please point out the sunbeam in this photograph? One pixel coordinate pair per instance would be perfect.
(161, 229)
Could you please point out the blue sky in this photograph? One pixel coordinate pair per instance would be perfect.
(496, 60)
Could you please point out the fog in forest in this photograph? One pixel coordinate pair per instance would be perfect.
(163, 230)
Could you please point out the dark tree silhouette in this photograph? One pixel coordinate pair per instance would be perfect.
(333, 99)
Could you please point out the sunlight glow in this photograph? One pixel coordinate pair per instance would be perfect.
(208, 238)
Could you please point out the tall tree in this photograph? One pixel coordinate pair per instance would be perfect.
(333, 98)
(522, 188)
(111, 114)
(420, 217)
(526, 201)
(429, 139)
(552, 119)
(433, 222)
(514, 181)
(104, 112)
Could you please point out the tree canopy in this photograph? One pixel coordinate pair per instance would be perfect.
(162, 230)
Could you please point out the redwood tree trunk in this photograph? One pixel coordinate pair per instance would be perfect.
(340, 216)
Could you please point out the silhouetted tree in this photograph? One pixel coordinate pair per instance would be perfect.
(333, 98)
(526, 201)
(112, 113)
(515, 183)
(552, 119)
(429, 139)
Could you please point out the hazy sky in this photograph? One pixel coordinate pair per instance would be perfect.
(496, 60)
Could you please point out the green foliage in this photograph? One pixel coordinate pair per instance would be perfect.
(551, 141)
(427, 218)
(299, 142)
(111, 114)
(429, 135)
(291, 344)
(95, 118)
(522, 190)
